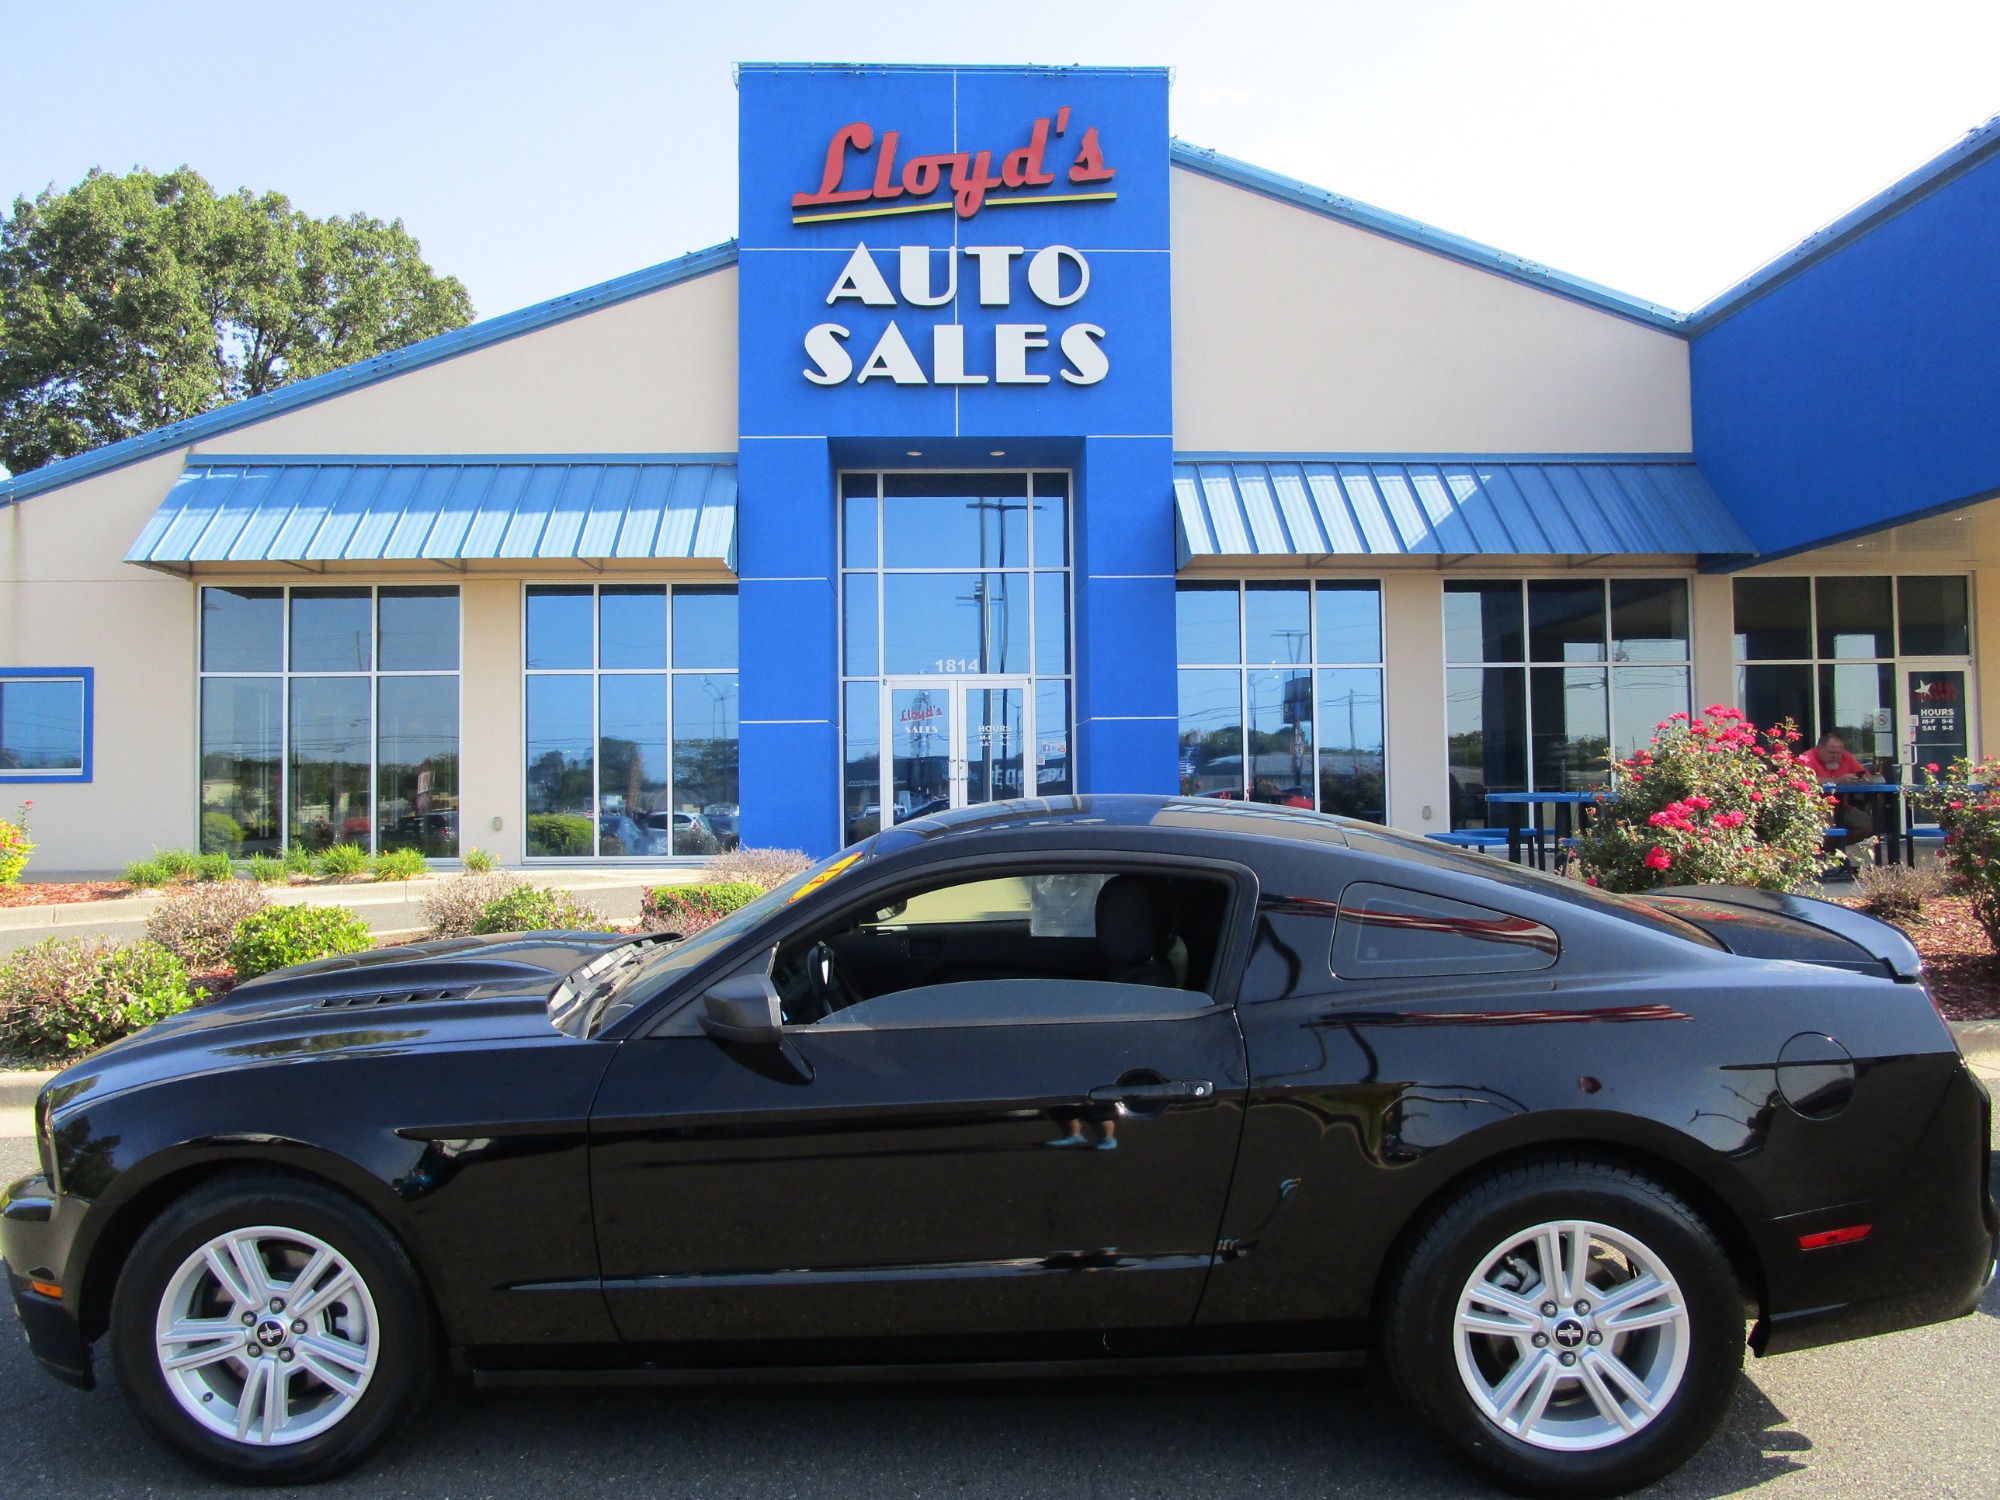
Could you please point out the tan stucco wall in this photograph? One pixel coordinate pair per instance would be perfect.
(656, 374)
(1413, 701)
(1297, 333)
(68, 599)
(491, 735)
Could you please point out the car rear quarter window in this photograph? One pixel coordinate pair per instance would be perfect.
(1392, 932)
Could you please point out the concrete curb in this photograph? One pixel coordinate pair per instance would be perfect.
(1977, 1039)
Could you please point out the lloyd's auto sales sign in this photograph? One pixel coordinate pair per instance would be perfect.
(956, 251)
(961, 183)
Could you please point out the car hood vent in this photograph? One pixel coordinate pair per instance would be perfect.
(391, 997)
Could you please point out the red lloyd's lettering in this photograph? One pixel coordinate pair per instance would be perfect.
(971, 173)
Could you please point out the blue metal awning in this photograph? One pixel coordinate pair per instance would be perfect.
(444, 509)
(1243, 506)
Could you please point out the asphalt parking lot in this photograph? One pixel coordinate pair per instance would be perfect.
(1912, 1414)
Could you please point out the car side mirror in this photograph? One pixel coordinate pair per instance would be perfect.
(743, 1009)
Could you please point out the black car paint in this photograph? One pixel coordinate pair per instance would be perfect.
(748, 1217)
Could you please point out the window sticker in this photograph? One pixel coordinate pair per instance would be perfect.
(822, 878)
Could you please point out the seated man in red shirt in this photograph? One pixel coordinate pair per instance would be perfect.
(1830, 761)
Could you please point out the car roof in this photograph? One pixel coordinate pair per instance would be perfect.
(1124, 811)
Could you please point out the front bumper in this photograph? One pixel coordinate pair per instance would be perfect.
(35, 1236)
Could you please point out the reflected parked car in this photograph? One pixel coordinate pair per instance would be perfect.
(618, 833)
(723, 818)
(1121, 1086)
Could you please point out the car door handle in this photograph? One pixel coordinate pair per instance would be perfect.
(1175, 1091)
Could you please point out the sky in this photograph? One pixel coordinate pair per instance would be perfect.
(1665, 149)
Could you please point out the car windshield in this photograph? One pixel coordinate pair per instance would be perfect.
(666, 963)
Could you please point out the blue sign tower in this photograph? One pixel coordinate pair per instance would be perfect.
(951, 268)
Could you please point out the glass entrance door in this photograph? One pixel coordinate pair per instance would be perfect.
(1937, 728)
(955, 742)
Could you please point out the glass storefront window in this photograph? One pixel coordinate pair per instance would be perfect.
(1851, 654)
(242, 764)
(958, 579)
(1935, 616)
(1281, 693)
(1556, 727)
(329, 715)
(631, 720)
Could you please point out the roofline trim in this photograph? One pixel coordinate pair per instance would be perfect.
(1256, 456)
(1056, 69)
(1210, 163)
(432, 460)
(444, 346)
(1971, 149)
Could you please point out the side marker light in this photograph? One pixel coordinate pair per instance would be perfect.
(1827, 1238)
(46, 1288)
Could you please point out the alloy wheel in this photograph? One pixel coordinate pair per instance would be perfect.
(1572, 1335)
(266, 1335)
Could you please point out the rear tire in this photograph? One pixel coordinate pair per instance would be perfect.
(1567, 1329)
(270, 1331)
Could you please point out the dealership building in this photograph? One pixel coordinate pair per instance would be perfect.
(1015, 448)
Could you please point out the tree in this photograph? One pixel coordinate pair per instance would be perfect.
(127, 302)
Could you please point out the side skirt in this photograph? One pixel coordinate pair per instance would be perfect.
(1038, 1369)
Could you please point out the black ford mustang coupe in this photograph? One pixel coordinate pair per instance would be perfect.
(1112, 1082)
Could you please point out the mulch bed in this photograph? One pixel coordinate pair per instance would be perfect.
(60, 892)
(1959, 962)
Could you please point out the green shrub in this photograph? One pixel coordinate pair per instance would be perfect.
(298, 860)
(146, 874)
(687, 909)
(340, 862)
(280, 936)
(480, 862)
(221, 832)
(68, 995)
(559, 833)
(267, 870)
(15, 846)
(528, 908)
(1715, 801)
(198, 922)
(453, 909)
(400, 864)
(213, 867)
(180, 864)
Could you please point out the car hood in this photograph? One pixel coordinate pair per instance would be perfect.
(452, 991)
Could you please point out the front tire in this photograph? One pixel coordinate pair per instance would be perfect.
(270, 1331)
(1568, 1329)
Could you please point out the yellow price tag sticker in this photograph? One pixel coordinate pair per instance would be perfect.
(822, 878)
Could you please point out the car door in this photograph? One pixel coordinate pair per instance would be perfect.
(979, 1169)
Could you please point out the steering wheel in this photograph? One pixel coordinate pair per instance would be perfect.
(831, 990)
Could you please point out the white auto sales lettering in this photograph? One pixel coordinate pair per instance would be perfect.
(1057, 276)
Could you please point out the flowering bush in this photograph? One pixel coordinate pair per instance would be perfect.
(454, 908)
(67, 995)
(1965, 799)
(769, 868)
(15, 846)
(198, 922)
(1715, 801)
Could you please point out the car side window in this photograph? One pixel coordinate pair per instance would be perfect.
(1031, 945)
(1390, 932)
